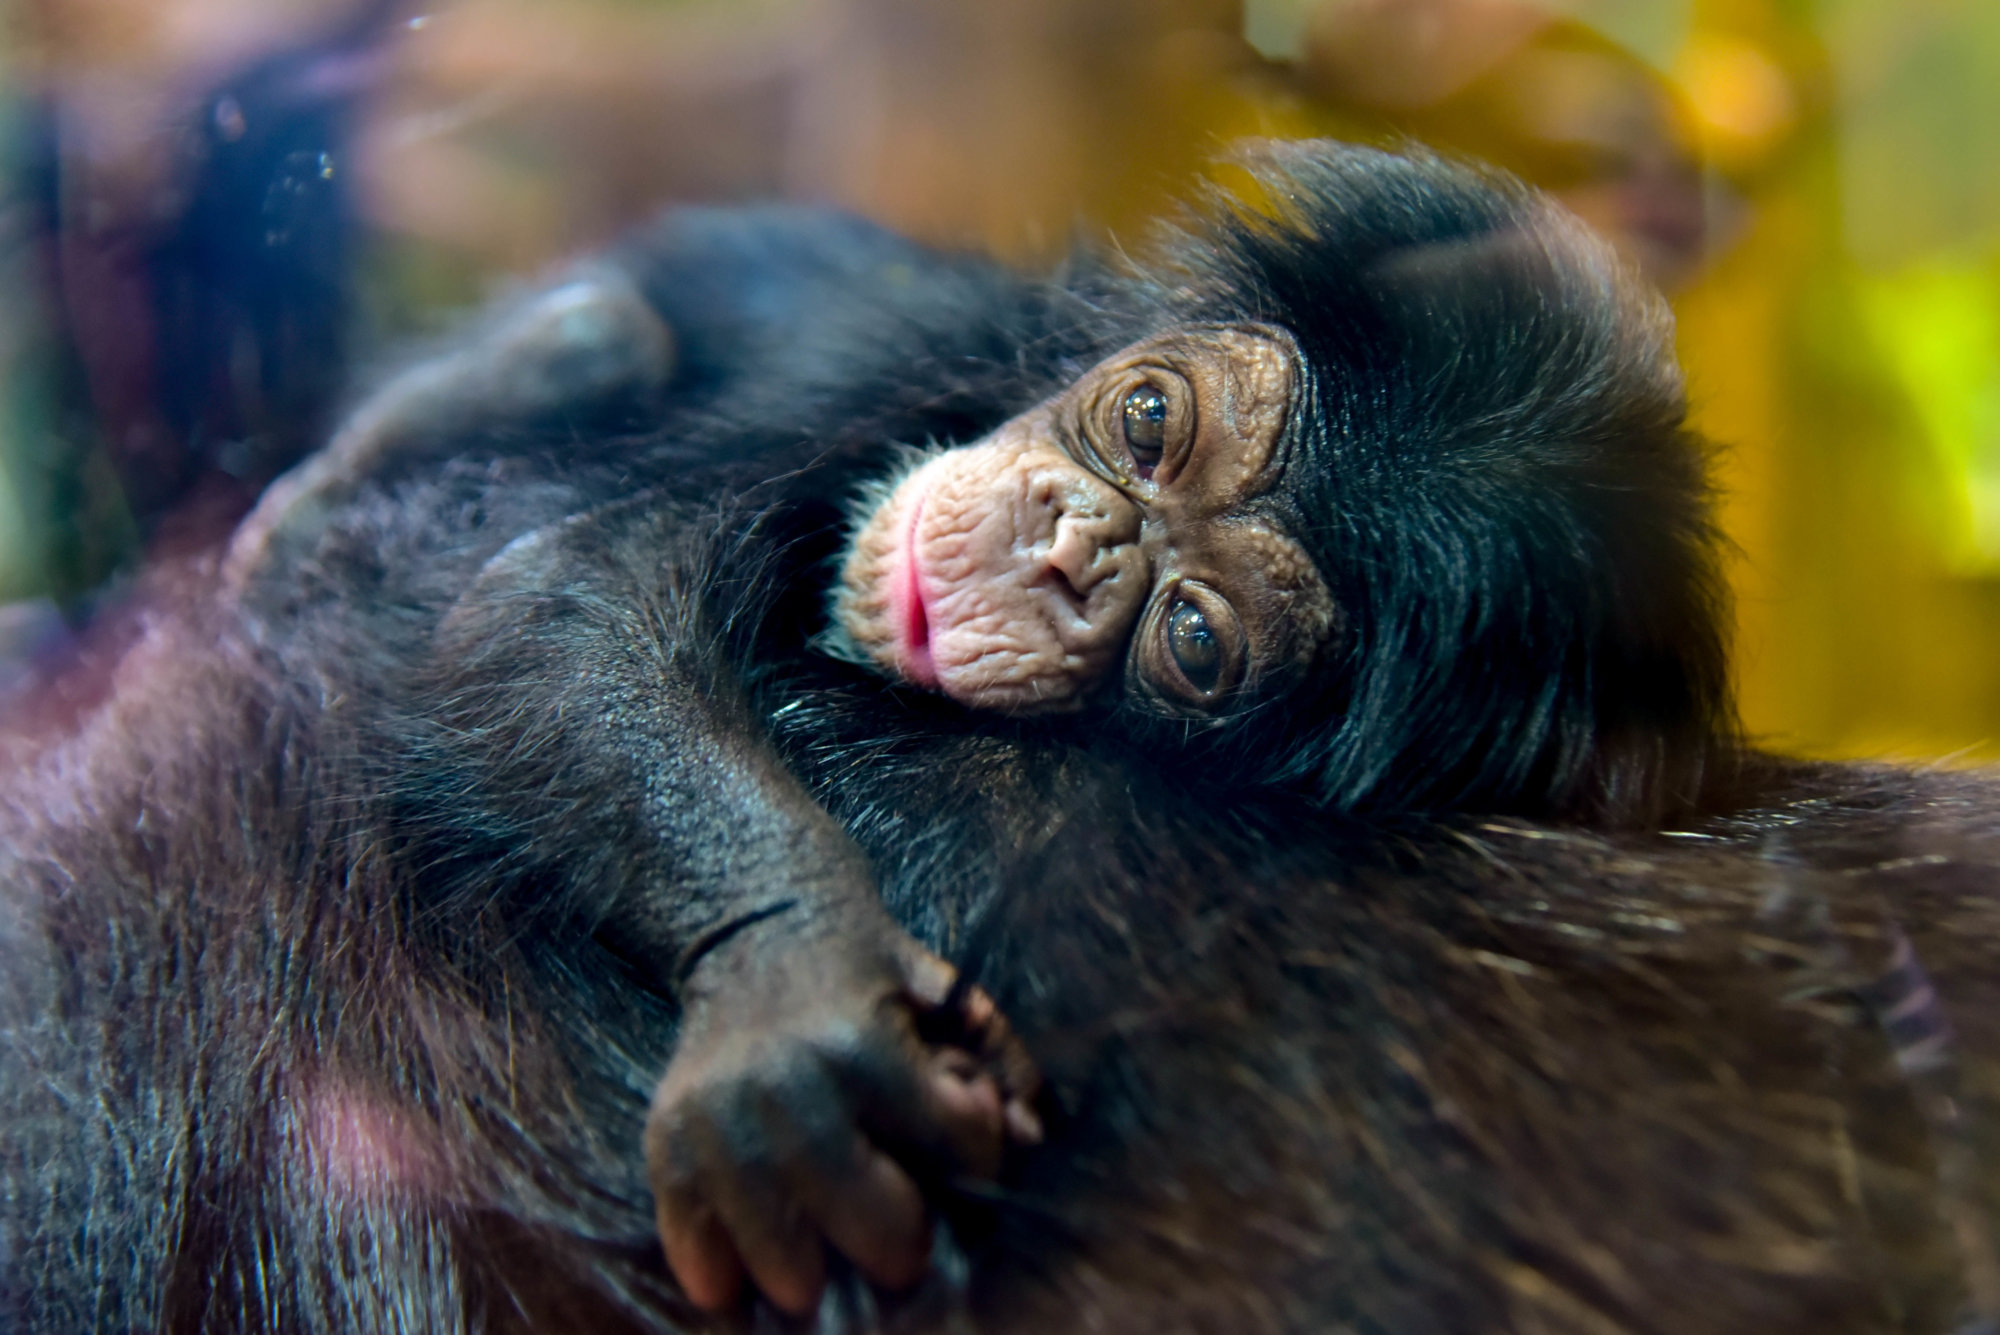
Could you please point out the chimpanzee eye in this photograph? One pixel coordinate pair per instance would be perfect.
(1146, 426)
(1194, 647)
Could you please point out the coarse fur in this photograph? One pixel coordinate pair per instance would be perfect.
(319, 1018)
(1492, 469)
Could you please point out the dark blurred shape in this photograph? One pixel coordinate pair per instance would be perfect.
(202, 307)
(1551, 100)
(31, 632)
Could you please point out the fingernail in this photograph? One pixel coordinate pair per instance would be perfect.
(930, 980)
(979, 1009)
(1022, 1123)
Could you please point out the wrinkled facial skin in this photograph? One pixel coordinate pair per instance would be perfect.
(1112, 529)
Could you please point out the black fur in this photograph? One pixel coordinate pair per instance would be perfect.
(1492, 470)
(322, 1009)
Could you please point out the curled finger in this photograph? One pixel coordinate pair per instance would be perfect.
(872, 1213)
(1001, 1052)
(700, 1255)
(931, 1107)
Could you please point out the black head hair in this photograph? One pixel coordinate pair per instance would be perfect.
(1489, 462)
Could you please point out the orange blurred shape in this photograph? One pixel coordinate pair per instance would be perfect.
(1741, 100)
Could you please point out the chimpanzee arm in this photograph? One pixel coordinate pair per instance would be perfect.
(586, 357)
(587, 725)
(767, 310)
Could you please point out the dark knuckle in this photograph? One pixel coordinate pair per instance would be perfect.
(676, 1170)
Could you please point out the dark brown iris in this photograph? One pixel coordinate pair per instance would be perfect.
(1146, 426)
(1194, 647)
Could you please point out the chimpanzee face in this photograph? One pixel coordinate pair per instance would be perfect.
(1118, 531)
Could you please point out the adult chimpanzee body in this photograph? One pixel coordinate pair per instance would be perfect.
(349, 932)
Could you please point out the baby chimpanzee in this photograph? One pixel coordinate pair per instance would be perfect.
(1393, 510)
(1011, 574)
(1374, 488)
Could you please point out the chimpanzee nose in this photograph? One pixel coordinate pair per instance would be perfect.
(1089, 550)
(1079, 553)
(1091, 539)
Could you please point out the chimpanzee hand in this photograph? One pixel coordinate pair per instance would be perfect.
(821, 1074)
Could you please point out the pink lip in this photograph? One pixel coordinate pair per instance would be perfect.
(917, 663)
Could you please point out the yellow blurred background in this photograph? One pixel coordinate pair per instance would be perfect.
(1815, 182)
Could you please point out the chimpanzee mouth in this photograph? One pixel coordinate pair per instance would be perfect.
(918, 664)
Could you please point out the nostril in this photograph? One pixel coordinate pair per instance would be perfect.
(1076, 561)
(1086, 531)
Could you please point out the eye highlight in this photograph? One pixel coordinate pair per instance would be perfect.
(1145, 414)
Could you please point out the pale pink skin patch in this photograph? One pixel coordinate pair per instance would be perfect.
(1000, 575)
(362, 1148)
(1020, 574)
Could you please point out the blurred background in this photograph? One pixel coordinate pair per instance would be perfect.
(210, 208)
